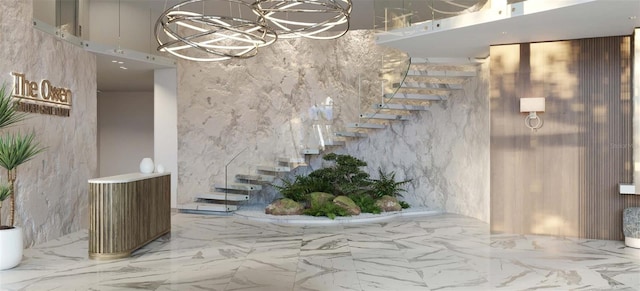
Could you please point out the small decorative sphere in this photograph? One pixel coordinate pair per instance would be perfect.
(146, 166)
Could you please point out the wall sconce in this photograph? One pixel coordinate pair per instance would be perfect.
(532, 105)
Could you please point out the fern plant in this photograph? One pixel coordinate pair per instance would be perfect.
(366, 203)
(387, 185)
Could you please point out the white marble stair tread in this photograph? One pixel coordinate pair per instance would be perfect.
(335, 143)
(213, 207)
(430, 86)
(350, 134)
(256, 178)
(440, 73)
(292, 162)
(400, 107)
(447, 61)
(310, 151)
(366, 125)
(223, 196)
(383, 116)
(409, 96)
(274, 169)
(238, 186)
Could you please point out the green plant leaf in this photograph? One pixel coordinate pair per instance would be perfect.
(299, 189)
(366, 203)
(16, 149)
(8, 113)
(404, 204)
(328, 209)
(387, 185)
(5, 192)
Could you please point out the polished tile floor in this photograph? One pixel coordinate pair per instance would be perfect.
(436, 252)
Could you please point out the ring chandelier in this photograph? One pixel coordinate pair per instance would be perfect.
(289, 17)
(197, 36)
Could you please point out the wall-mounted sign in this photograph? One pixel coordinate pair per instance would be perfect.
(43, 97)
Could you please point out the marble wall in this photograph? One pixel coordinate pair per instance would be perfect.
(259, 108)
(52, 188)
(260, 105)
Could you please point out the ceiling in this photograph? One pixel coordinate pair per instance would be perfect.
(592, 19)
(366, 14)
(123, 74)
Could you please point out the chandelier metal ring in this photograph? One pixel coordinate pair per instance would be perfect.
(281, 15)
(199, 37)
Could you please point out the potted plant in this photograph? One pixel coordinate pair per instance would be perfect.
(15, 149)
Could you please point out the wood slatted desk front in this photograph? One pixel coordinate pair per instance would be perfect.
(126, 212)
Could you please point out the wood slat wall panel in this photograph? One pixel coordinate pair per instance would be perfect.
(562, 180)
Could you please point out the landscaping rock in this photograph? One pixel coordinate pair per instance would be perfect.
(318, 198)
(347, 204)
(388, 203)
(284, 206)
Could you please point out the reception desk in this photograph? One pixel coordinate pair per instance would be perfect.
(127, 212)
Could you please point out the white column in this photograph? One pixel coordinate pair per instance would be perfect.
(165, 138)
(636, 110)
(634, 188)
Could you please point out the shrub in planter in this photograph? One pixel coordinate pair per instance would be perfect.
(344, 177)
(15, 149)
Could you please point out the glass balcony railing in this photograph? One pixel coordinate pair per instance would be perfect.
(394, 68)
(393, 14)
(62, 14)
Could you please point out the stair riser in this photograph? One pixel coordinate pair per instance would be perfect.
(350, 134)
(238, 187)
(447, 61)
(223, 197)
(270, 169)
(441, 74)
(203, 207)
(384, 116)
(337, 143)
(416, 97)
(311, 152)
(400, 107)
(255, 178)
(427, 86)
(366, 126)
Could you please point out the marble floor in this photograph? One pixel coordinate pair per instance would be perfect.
(436, 252)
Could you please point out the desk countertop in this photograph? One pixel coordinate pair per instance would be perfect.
(125, 178)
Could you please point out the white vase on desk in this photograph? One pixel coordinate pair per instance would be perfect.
(146, 166)
(160, 169)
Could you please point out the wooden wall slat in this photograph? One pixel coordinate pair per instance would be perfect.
(562, 180)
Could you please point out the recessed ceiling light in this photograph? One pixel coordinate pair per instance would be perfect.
(504, 32)
(114, 61)
(632, 17)
(124, 68)
(121, 63)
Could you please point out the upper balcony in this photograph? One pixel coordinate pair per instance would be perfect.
(469, 32)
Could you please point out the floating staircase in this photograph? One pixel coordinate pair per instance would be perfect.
(422, 83)
(425, 81)
(226, 197)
